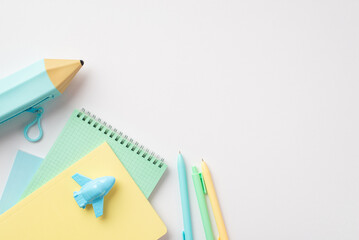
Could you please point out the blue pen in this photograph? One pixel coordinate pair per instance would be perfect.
(187, 233)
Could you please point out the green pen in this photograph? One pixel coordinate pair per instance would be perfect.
(200, 188)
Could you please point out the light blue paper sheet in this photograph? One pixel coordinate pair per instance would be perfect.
(22, 171)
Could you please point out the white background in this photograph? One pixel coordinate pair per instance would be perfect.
(265, 91)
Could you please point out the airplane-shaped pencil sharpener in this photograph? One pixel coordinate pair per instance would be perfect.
(92, 191)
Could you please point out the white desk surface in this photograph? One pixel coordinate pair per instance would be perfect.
(265, 91)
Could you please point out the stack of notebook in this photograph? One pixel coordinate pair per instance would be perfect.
(42, 192)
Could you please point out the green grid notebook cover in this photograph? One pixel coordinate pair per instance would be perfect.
(81, 135)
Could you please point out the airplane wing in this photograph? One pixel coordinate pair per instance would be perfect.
(98, 207)
(81, 179)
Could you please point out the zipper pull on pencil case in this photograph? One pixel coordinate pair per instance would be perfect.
(38, 111)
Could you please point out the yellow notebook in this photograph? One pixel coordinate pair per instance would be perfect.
(51, 212)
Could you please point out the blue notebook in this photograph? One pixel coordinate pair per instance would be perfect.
(22, 171)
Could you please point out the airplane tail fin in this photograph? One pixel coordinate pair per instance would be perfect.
(80, 199)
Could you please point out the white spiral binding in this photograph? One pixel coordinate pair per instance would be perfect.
(121, 138)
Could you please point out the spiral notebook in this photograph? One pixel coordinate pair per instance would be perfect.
(83, 133)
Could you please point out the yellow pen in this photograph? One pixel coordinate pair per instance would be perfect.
(214, 202)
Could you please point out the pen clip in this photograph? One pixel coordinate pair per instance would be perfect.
(183, 235)
(203, 183)
(39, 111)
